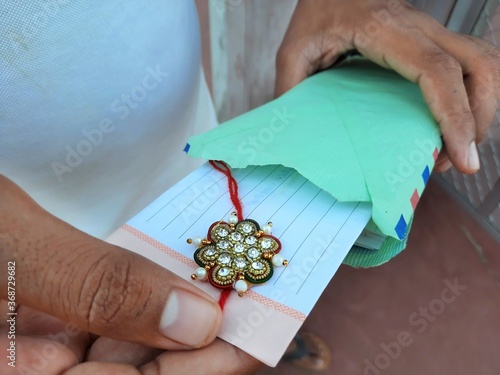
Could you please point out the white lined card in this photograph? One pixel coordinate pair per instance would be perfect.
(316, 232)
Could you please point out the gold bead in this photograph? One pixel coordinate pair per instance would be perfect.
(193, 276)
(240, 294)
(189, 241)
(207, 267)
(285, 262)
(270, 223)
(259, 233)
(205, 242)
(241, 277)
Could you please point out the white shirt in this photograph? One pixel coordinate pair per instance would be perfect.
(97, 100)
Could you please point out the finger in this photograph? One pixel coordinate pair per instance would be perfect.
(440, 78)
(36, 355)
(300, 55)
(443, 163)
(220, 358)
(480, 62)
(105, 349)
(35, 324)
(102, 288)
(296, 63)
(92, 368)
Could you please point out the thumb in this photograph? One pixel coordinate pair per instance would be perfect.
(291, 69)
(101, 288)
(295, 61)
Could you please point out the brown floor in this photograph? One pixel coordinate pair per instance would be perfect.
(362, 310)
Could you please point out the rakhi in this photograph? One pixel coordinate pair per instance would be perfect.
(236, 254)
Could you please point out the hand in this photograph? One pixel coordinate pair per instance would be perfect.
(47, 345)
(114, 357)
(80, 285)
(459, 75)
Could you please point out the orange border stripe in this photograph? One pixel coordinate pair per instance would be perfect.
(191, 263)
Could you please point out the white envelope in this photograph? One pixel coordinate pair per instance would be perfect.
(316, 232)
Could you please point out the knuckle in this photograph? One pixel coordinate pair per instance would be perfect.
(110, 293)
(487, 65)
(493, 64)
(484, 46)
(486, 62)
(462, 118)
(444, 62)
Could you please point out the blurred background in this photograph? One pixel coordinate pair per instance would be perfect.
(456, 232)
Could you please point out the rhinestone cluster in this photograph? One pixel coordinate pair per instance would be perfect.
(237, 254)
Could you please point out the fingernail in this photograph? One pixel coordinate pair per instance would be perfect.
(473, 161)
(189, 319)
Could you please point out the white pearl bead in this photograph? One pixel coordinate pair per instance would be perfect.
(201, 273)
(233, 219)
(278, 260)
(196, 241)
(241, 286)
(266, 228)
